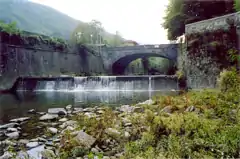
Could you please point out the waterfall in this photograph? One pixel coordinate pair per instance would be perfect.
(100, 83)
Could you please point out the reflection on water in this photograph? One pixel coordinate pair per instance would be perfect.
(13, 106)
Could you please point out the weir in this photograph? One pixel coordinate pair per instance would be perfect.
(97, 83)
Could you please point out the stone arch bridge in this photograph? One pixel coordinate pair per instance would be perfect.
(116, 59)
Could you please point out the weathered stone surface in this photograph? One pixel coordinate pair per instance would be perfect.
(84, 139)
(12, 129)
(167, 109)
(63, 120)
(32, 111)
(52, 130)
(23, 141)
(48, 117)
(13, 135)
(69, 107)
(47, 153)
(59, 111)
(6, 155)
(190, 109)
(9, 125)
(68, 123)
(147, 102)
(32, 144)
(112, 132)
(20, 119)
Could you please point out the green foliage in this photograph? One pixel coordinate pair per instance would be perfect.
(207, 132)
(94, 33)
(10, 28)
(181, 12)
(237, 5)
(229, 80)
(37, 18)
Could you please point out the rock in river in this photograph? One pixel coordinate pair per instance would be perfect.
(32, 144)
(59, 111)
(20, 119)
(48, 117)
(9, 125)
(53, 130)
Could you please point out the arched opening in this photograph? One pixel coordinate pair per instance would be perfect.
(151, 66)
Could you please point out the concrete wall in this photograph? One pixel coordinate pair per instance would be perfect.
(203, 70)
(43, 60)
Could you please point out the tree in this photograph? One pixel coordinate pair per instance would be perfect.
(237, 5)
(94, 33)
(181, 12)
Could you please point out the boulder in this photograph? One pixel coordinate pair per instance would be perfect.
(12, 129)
(18, 120)
(48, 117)
(13, 135)
(32, 144)
(6, 155)
(63, 120)
(9, 125)
(68, 123)
(69, 107)
(147, 102)
(32, 111)
(112, 132)
(84, 139)
(167, 109)
(190, 109)
(53, 130)
(125, 108)
(59, 111)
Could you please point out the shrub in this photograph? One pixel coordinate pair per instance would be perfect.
(229, 80)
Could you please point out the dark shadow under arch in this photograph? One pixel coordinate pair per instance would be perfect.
(119, 66)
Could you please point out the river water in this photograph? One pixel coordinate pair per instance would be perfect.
(83, 92)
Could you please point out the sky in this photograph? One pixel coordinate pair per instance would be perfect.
(135, 20)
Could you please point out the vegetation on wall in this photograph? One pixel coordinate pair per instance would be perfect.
(181, 12)
(10, 34)
(219, 44)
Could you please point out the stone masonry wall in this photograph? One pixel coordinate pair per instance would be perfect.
(201, 67)
(43, 60)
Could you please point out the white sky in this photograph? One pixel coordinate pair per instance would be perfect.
(138, 20)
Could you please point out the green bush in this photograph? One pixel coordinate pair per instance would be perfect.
(229, 80)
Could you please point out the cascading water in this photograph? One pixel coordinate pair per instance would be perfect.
(100, 83)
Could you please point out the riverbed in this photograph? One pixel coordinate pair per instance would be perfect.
(17, 105)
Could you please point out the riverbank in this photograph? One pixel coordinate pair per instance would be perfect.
(195, 124)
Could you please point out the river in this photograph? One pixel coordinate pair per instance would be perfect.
(83, 92)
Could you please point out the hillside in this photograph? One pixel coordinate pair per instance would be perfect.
(37, 18)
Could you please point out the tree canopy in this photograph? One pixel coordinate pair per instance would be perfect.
(181, 12)
(94, 33)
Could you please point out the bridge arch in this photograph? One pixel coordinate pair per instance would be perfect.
(119, 66)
